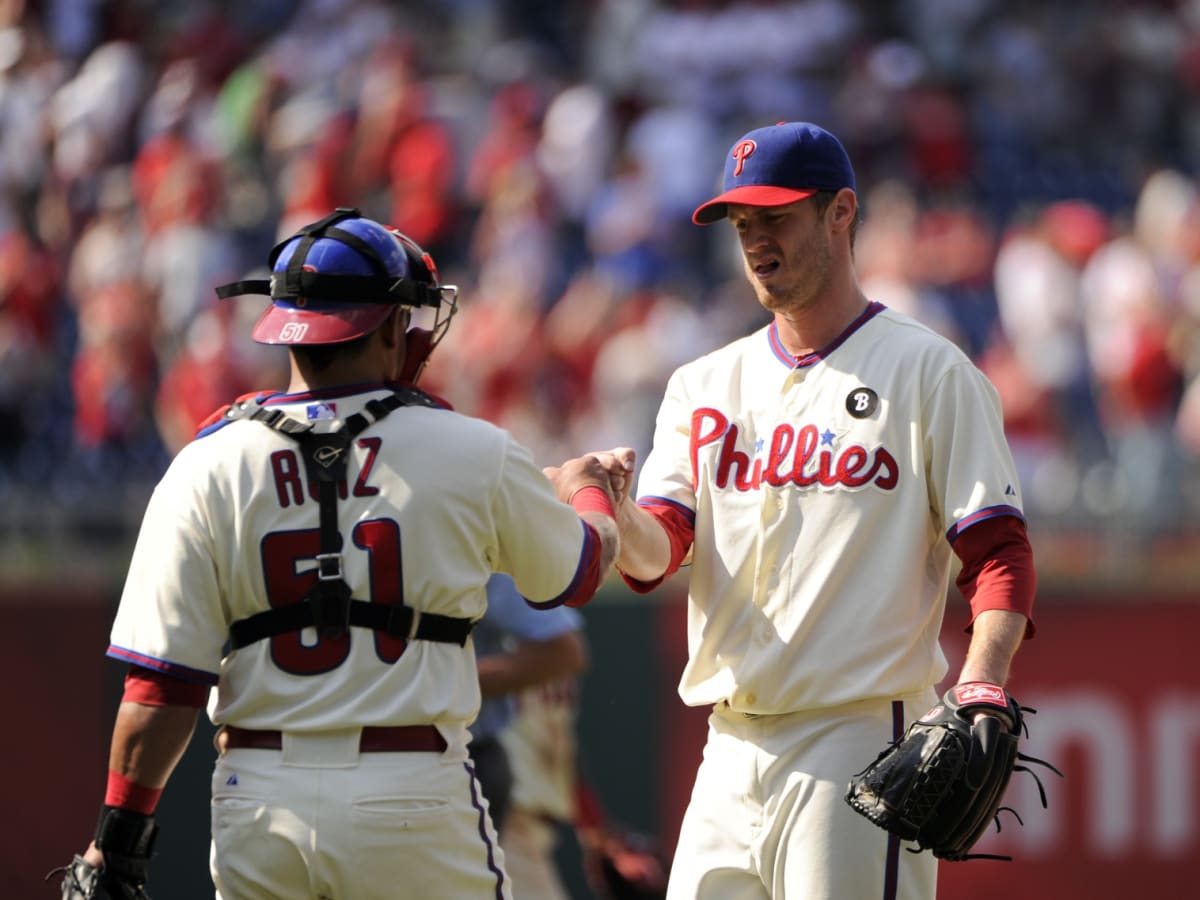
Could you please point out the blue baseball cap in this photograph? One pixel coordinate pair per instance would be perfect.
(777, 165)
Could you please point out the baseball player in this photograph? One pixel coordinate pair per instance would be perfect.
(319, 557)
(541, 746)
(520, 651)
(820, 475)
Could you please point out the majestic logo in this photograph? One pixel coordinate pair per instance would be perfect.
(293, 332)
(798, 455)
(743, 151)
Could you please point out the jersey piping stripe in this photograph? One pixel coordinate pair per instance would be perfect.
(591, 548)
(988, 512)
(347, 390)
(873, 309)
(483, 833)
(176, 670)
(891, 875)
(653, 500)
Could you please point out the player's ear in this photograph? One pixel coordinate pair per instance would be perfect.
(394, 327)
(391, 338)
(843, 210)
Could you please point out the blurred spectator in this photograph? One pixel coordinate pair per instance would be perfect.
(577, 144)
(1046, 387)
(92, 116)
(214, 366)
(1028, 176)
(114, 372)
(510, 141)
(1138, 382)
(890, 259)
(110, 244)
(29, 326)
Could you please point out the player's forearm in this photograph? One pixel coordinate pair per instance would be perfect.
(610, 538)
(149, 741)
(533, 663)
(995, 636)
(645, 547)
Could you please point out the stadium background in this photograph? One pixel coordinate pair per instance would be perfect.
(1028, 174)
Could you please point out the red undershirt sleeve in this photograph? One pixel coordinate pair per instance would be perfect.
(680, 530)
(997, 568)
(153, 688)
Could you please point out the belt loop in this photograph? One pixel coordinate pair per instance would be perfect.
(416, 621)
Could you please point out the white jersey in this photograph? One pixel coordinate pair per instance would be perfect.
(435, 502)
(824, 495)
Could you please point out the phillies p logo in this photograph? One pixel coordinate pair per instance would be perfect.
(741, 152)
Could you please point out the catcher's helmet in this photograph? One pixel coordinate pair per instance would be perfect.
(338, 278)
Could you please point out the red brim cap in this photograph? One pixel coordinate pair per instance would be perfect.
(283, 323)
(750, 195)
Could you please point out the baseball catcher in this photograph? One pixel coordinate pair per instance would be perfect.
(941, 784)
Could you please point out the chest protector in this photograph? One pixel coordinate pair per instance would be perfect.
(329, 606)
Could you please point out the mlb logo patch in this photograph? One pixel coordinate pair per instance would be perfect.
(318, 412)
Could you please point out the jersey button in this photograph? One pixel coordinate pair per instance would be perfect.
(751, 698)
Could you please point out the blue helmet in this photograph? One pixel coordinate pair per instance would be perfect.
(337, 279)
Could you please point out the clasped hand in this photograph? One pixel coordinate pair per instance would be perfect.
(609, 470)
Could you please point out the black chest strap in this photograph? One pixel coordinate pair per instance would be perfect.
(329, 606)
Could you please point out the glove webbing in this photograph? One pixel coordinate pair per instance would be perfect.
(1021, 758)
(329, 606)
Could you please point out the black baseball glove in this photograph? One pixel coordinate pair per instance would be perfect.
(126, 839)
(941, 784)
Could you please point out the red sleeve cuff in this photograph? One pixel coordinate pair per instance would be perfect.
(153, 688)
(128, 794)
(997, 568)
(593, 499)
(678, 524)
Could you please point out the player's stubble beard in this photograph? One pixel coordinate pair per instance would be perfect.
(807, 272)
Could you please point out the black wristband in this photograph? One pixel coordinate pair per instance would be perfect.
(125, 833)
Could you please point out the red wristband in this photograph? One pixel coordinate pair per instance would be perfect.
(593, 499)
(128, 794)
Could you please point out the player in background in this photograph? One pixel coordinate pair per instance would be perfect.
(550, 791)
(819, 475)
(319, 557)
(541, 746)
(519, 650)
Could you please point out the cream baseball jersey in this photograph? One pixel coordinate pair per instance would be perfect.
(825, 494)
(433, 502)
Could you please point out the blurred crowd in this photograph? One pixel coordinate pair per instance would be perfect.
(1026, 168)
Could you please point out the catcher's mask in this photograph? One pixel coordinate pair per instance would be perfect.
(338, 278)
